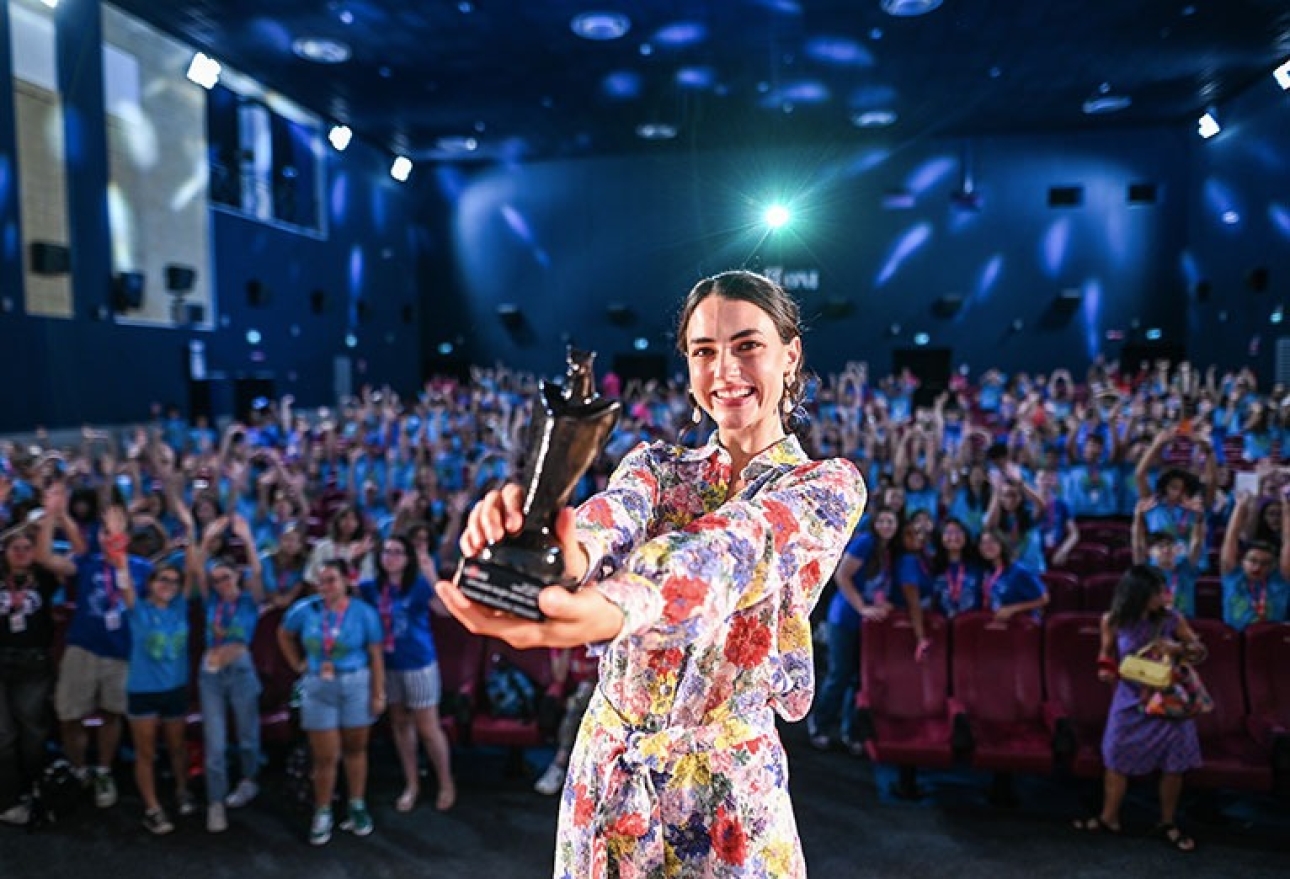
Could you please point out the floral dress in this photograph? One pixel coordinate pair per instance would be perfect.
(678, 769)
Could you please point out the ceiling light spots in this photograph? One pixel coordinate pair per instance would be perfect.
(600, 25)
(909, 8)
(321, 50)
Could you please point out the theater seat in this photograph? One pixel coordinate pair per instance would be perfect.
(998, 680)
(1086, 559)
(1065, 594)
(1209, 597)
(277, 680)
(1233, 757)
(1099, 589)
(1078, 702)
(487, 726)
(904, 704)
(1267, 677)
(460, 656)
(1109, 532)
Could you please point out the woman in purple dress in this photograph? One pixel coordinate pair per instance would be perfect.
(1135, 743)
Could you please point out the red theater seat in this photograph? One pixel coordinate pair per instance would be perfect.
(1209, 597)
(277, 680)
(998, 680)
(906, 703)
(1087, 559)
(1267, 676)
(1065, 594)
(460, 655)
(487, 727)
(1233, 757)
(1098, 591)
(1077, 701)
(1108, 532)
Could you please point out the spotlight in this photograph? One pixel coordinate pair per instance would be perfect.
(351, 340)
(340, 136)
(253, 337)
(1208, 125)
(204, 70)
(921, 339)
(401, 168)
(601, 26)
(1282, 75)
(1154, 334)
(641, 344)
(52, 4)
(776, 216)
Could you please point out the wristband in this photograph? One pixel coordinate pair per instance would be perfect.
(1105, 663)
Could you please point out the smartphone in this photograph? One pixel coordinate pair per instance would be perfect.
(1247, 481)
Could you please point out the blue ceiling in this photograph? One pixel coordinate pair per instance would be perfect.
(426, 77)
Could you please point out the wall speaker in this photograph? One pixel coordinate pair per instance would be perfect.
(127, 291)
(1142, 193)
(948, 305)
(180, 279)
(48, 258)
(1069, 299)
(1065, 196)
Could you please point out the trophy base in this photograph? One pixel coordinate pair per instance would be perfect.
(501, 588)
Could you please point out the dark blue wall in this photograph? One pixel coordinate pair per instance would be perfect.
(561, 240)
(91, 369)
(1241, 221)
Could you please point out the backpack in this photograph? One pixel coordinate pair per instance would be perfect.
(510, 692)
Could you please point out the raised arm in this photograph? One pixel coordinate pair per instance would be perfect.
(1229, 557)
(255, 572)
(1138, 534)
(55, 501)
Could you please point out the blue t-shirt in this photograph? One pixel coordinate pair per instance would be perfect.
(957, 589)
(1052, 524)
(159, 646)
(278, 582)
(350, 633)
(230, 622)
(1180, 586)
(1091, 492)
(405, 623)
(1241, 604)
(1172, 519)
(99, 624)
(1014, 585)
(915, 569)
(971, 515)
(841, 613)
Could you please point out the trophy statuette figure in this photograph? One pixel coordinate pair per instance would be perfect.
(571, 424)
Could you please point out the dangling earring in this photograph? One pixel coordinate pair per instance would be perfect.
(696, 414)
(786, 403)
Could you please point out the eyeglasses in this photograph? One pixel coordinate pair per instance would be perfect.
(224, 577)
(172, 580)
(394, 550)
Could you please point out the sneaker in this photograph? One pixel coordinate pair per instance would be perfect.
(156, 822)
(821, 741)
(242, 794)
(552, 781)
(187, 803)
(17, 815)
(359, 820)
(104, 789)
(855, 747)
(320, 827)
(216, 819)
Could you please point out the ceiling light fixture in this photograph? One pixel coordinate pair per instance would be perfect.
(656, 131)
(600, 25)
(457, 144)
(321, 50)
(1103, 104)
(340, 136)
(204, 70)
(1282, 75)
(909, 8)
(52, 4)
(873, 118)
(401, 169)
(1208, 125)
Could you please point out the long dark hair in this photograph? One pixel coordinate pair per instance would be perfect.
(882, 551)
(784, 313)
(969, 545)
(410, 570)
(1133, 594)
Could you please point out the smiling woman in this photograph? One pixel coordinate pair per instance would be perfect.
(700, 570)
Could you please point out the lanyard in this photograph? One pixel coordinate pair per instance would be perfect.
(331, 624)
(109, 584)
(225, 612)
(955, 583)
(388, 596)
(987, 588)
(1259, 592)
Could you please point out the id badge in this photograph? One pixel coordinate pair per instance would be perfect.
(112, 620)
(17, 622)
(327, 671)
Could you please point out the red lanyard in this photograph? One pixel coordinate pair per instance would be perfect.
(331, 624)
(988, 586)
(955, 583)
(387, 615)
(109, 584)
(225, 611)
(1259, 591)
(1171, 584)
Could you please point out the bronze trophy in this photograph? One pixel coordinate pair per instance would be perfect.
(570, 427)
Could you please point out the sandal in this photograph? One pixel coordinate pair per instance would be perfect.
(446, 799)
(1095, 825)
(407, 800)
(1173, 835)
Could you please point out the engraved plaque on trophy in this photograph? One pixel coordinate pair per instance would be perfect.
(571, 424)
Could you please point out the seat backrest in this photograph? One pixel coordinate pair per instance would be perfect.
(1209, 597)
(1267, 670)
(459, 654)
(1098, 591)
(1221, 672)
(276, 677)
(1088, 558)
(1109, 533)
(1072, 642)
(997, 667)
(898, 686)
(1064, 592)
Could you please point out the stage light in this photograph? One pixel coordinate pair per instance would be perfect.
(1208, 125)
(1154, 334)
(204, 70)
(253, 337)
(600, 26)
(340, 136)
(401, 168)
(641, 344)
(921, 339)
(351, 340)
(445, 348)
(52, 4)
(1282, 75)
(776, 216)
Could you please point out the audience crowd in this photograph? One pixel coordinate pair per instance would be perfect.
(343, 517)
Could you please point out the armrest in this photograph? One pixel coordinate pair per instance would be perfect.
(1055, 715)
(1265, 729)
(962, 739)
(1057, 721)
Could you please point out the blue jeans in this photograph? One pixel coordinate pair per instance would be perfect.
(234, 686)
(840, 681)
(26, 680)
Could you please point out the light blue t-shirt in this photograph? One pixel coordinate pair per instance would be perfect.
(158, 646)
(349, 633)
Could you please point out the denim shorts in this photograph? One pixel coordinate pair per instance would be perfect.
(167, 705)
(415, 688)
(344, 702)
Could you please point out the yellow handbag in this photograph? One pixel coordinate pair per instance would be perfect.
(1141, 669)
